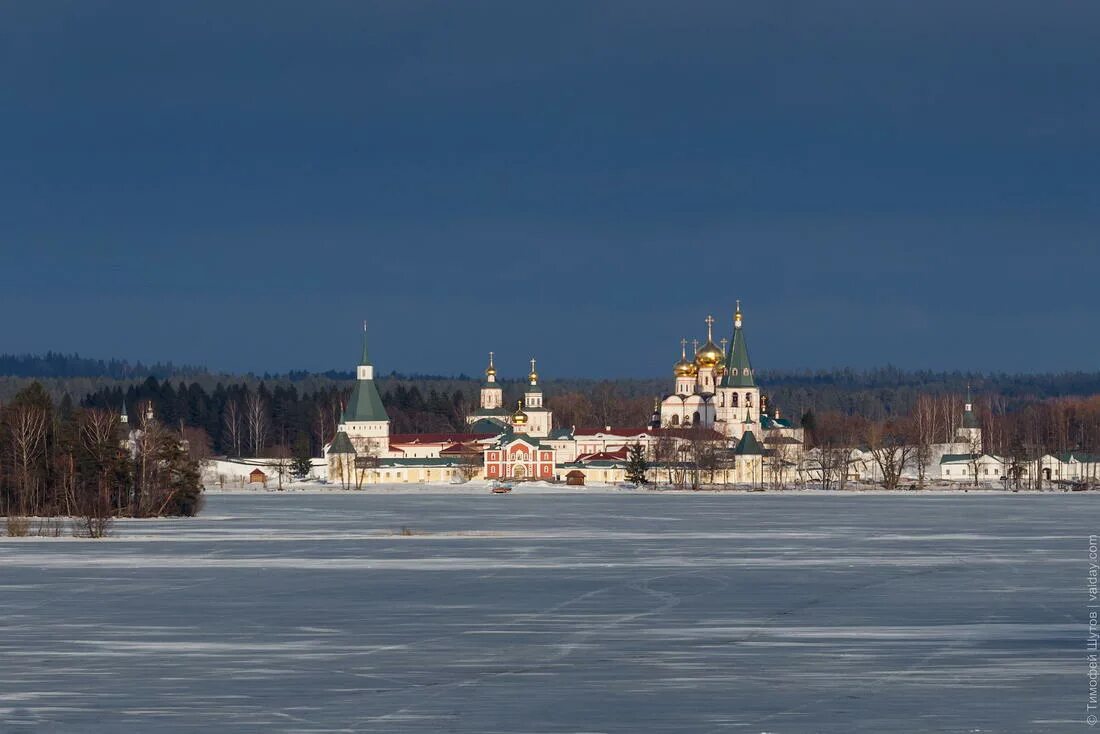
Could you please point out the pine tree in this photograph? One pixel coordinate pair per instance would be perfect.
(636, 464)
(301, 465)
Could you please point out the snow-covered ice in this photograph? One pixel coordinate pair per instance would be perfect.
(556, 611)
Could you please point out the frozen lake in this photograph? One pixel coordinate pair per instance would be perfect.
(557, 613)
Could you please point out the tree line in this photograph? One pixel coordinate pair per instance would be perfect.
(86, 464)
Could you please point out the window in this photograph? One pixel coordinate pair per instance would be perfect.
(733, 400)
(675, 420)
(695, 418)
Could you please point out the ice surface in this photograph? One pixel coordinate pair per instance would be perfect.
(556, 612)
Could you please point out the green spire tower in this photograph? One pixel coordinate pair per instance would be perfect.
(738, 367)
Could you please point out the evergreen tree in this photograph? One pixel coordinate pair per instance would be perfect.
(636, 464)
(301, 465)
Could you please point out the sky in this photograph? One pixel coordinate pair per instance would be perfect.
(241, 184)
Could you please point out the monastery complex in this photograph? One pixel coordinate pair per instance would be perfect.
(714, 407)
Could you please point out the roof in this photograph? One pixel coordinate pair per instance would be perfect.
(749, 446)
(488, 426)
(560, 434)
(482, 412)
(769, 423)
(970, 420)
(956, 458)
(614, 456)
(738, 367)
(421, 438)
(365, 404)
(514, 437)
(403, 462)
(257, 471)
(782, 440)
(461, 449)
(1077, 456)
(341, 444)
(707, 433)
(365, 358)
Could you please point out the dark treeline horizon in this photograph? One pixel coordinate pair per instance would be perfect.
(300, 410)
(1039, 384)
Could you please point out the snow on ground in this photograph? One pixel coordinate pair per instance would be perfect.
(556, 611)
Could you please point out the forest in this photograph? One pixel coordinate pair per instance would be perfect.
(86, 464)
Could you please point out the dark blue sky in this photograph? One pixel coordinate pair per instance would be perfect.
(240, 184)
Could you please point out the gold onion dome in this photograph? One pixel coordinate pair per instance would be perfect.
(490, 371)
(685, 367)
(710, 355)
(533, 376)
(721, 369)
(519, 417)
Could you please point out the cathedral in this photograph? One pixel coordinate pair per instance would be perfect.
(716, 387)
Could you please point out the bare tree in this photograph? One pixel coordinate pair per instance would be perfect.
(231, 419)
(281, 462)
(891, 445)
(27, 426)
(663, 453)
(255, 409)
(326, 420)
(926, 428)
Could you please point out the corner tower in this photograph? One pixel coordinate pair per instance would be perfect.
(365, 420)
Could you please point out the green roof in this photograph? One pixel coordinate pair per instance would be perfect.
(956, 458)
(365, 404)
(423, 462)
(366, 356)
(749, 446)
(970, 420)
(738, 368)
(487, 425)
(341, 444)
(1083, 458)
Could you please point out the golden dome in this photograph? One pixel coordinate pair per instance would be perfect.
(710, 355)
(490, 371)
(533, 376)
(519, 417)
(683, 368)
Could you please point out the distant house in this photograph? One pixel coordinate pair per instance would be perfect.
(257, 477)
(575, 478)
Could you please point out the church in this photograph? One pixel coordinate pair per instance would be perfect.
(715, 399)
(716, 387)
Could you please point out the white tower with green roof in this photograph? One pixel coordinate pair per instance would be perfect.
(364, 420)
(970, 430)
(738, 408)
